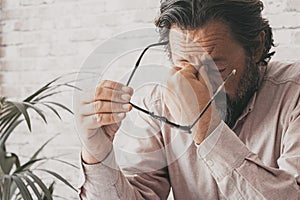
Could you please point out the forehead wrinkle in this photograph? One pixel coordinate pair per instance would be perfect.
(198, 41)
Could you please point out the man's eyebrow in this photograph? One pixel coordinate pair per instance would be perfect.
(214, 59)
(218, 59)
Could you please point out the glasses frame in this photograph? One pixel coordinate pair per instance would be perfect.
(187, 128)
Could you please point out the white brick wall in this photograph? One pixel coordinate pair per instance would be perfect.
(41, 39)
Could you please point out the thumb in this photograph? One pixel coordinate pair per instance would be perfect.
(189, 69)
(203, 78)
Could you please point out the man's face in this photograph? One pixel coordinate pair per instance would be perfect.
(214, 47)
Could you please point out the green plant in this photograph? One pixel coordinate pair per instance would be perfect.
(20, 180)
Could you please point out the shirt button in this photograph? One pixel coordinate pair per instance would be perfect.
(210, 163)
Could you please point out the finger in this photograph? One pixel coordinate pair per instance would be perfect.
(189, 68)
(92, 122)
(174, 70)
(99, 107)
(116, 86)
(107, 119)
(188, 71)
(203, 78)
(107, 94)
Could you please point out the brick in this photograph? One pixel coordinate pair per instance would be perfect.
(26, 77)
(282, 36)
(48, 64)
(12, 38)
(70, 9)
(32, 24)
(35, 51)
(285, 20)
(67, 22)
(91, 8)
(86, 48)
(101, 20)
(296, 37)
(274, 7)
(7, 25)
(9, 4)
(58, 36)
(63, 49)
(18, 65)
(287, 53)
(28, 24)
(49, 12)
(36, 37)
(14, 92)
(31, 2)
(83, 35)
(23, 13)
(145, 17)
(125, 5)
(10, 52)
(72, 63)
(293, 5)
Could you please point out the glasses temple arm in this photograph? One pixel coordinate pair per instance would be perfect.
(140, 59)
(213, 97)
(161, 118)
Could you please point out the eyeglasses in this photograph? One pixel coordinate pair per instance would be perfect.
(186, 128)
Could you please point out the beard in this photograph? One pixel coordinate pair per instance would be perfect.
(234, 107)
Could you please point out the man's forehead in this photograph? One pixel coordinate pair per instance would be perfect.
(213, 39)
(214, 30)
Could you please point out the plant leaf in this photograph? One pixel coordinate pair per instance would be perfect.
(38, 181)
(46, 87)
(23, 109)
(7, 133)
(51, 189)
(38, 99)
(9, 119)
(33, 187)
(27, 165)
(73, 86)
(65, 162)
(22, 187)
(34, 156)
(53, 110)
(59, 177)
(7, 161)
(13, 187)
(41, 90)
(59, 105)
(6, 188)
(6, 109)
(37, 110)
(2, 102)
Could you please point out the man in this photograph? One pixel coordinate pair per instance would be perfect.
(250, 152)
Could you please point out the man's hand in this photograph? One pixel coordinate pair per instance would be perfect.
(188, 92)
(103, 115)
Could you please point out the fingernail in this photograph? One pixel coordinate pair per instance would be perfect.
(126, 97)
(98, 119)
(126, 89)
(121, 115)
(126, 106)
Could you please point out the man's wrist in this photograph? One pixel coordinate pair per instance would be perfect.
(90, 159)
(209, 122)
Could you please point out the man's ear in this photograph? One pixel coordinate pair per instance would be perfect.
(258, 52)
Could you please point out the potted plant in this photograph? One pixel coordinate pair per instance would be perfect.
(19, 180)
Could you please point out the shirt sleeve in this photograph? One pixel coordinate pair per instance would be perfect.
(100, 181)
(142, 179)
(240, 174)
